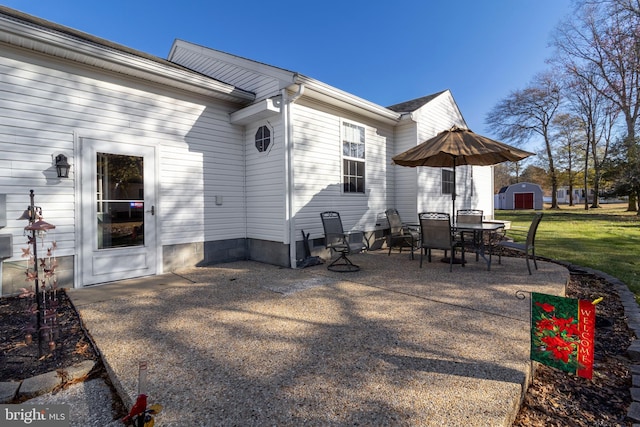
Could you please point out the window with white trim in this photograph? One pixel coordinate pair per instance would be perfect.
(353, 159)
(447, 181)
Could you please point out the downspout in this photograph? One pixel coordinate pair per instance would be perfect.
(289, 176)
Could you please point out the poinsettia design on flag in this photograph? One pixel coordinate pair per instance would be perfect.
(562, 333)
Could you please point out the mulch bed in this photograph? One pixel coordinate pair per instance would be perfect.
(556, 398)
(20, 361)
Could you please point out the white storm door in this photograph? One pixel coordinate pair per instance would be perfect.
(118, 211)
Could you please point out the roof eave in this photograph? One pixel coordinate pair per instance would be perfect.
(27, 35)
(326, 93)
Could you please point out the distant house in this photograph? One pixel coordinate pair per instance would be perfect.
(578, 196)
(200, 158)
(523, 195)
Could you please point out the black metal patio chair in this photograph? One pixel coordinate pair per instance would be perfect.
(528, 247)
(341, 242)
(470, 216)
(435, 229)
(400, 235)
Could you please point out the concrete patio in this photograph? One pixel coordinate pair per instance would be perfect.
(246, 343)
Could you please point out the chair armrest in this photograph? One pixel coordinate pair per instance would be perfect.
(354, 236)
(411, 227)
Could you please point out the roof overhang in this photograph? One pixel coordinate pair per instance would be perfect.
(259, 111)
(330, 95)
(27, 32)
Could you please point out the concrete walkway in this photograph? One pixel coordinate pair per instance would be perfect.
(252, 344)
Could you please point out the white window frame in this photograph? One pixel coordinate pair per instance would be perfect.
(359, 157)
(449, 183)
(263, 139)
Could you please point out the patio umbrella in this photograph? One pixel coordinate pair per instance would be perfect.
(455, 147)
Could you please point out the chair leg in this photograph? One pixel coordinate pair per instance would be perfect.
(528, 266)
(410, 241)
(421, 254)
(346, 266)
(533, 255)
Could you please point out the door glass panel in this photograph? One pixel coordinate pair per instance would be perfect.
(120, 210)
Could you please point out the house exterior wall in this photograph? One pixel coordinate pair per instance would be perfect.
(218, 199)
(265, 183)
(483, 189)
(266, 195)
(46, 105)
(406, 179)
(318, 170)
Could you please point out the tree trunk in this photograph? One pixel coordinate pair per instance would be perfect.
(596, 190)
(552, 171)
(632, 154)
(570, 194)
(586, 178)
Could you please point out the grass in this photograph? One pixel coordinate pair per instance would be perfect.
(605, 239)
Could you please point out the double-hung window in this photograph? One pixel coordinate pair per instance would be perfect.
(447, 181)
(353, 170)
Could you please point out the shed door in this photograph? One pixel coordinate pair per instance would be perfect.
(523, 201)
(118, 211)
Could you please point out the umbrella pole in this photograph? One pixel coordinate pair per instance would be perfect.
(453, 193)
(453, 213)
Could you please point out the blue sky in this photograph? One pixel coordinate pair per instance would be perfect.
(385, 52)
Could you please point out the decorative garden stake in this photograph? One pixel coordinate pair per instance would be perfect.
(140, 415)
(41, 271)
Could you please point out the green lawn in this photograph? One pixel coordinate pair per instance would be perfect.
(606, 239)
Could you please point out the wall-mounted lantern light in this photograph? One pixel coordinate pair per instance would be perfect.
(62, 166)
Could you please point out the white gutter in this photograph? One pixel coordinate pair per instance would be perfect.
(289, 175)
(321, 91)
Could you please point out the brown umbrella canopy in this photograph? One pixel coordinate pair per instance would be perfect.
(455, 147)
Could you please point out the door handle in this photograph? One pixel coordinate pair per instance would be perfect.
(153, 210)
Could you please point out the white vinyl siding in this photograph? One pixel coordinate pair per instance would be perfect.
(318, 170)
(43, 103)
(405, 190)
(265, 185)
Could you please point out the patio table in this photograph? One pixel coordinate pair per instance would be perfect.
(478, 231)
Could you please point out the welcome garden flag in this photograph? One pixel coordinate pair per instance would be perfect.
(562, 333)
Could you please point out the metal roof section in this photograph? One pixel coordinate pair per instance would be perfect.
(28, 32)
